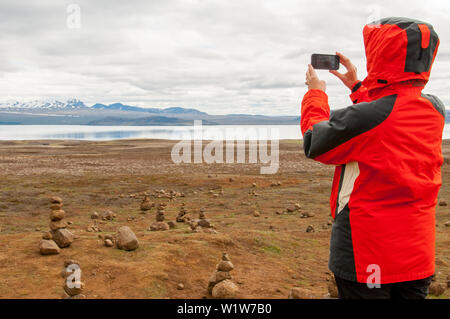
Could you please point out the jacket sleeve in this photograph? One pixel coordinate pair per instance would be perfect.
(359, 93)
(344, 135)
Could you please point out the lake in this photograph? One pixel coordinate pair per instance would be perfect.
(105, 133)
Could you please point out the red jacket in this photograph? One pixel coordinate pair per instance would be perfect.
(387, 152)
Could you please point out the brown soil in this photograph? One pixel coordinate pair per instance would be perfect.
(271, 253)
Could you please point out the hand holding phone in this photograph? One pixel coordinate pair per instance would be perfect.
(350, 77)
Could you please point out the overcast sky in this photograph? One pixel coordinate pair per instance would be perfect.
(237, 56)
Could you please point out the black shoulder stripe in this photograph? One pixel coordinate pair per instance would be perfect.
(437, 103)
(345, 124)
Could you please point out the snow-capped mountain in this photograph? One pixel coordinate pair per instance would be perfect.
(43, 105)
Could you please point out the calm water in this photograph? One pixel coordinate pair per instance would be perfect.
(104, 133)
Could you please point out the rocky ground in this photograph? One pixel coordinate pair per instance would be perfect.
(275, 228)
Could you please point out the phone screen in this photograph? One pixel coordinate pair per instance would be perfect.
(325, 61)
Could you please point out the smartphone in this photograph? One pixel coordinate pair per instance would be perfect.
(325, 61)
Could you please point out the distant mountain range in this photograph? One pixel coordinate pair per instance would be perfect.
(76, 112)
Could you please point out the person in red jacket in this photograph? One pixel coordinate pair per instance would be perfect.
(387, 151)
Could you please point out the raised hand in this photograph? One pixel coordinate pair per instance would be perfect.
(351, 76)
(313, 81)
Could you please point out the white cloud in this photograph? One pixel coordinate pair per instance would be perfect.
(244, 56)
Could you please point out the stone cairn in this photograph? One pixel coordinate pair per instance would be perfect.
(73, 286)
(58, 235)
(220, 285)
(202, 224)
(160, 224)
(146, 204)
(182, 216)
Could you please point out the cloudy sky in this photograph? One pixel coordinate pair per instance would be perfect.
(237, 56)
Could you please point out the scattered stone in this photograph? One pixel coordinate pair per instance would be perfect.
(48, 247)
(108, 215)
(180, 286)
(447, 224)
(95, 215)
(290, 209)
(256, 213)
(307, 215)
(300, 293)
(253, 184)
(231, 179)
(297, 206)
(126, 239)
(310, 229)
(330, 222)
(442, 203)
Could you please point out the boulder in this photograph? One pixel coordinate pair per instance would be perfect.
(48, 247)
(225, 289)
(126, 239)
(63, 237)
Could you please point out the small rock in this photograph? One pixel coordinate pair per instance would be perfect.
(75, 288)
(56, 200)
(58, 224)
(436, 288)
(63, 237)
(180, 286)
(108, 243)
(256, 213)
(48, 247)
(332, 288)
(447, 224)
(225, 265)
(56, 206)
(300, 293)
(310, 229)
(95, 215)
(56, 215)
(171, 224)
(47, 235)
(126, 239)
(442, 203)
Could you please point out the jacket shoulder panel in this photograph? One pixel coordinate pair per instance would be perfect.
(347, 123)
(436, 102)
